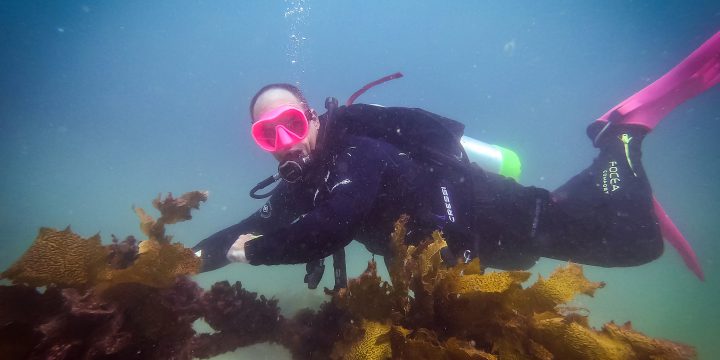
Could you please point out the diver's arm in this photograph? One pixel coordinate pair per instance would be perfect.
(213, 249)
(353, 184)
(276, 213)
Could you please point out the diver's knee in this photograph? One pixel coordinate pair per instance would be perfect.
(644, 251)
(653, 249)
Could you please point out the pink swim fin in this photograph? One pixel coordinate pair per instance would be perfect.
(695, 74)
(673, 235)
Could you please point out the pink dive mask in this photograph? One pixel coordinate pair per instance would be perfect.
(280, 128)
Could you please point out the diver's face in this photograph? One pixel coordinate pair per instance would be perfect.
(275, 98)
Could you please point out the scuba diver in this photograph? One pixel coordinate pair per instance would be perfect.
(350, 173)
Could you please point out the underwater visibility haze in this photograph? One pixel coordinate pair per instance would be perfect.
(105, 105)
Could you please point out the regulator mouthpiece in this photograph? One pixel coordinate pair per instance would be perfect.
(292, 170)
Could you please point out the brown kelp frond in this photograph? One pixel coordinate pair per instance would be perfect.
(368, 297)
(172, 210)
(157, 265)
(239, 319)
(64, 259)
(60, 258)
(562, 286)
(371, 341)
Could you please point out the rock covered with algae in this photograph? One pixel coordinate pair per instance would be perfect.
(74, 298)
(133, 300)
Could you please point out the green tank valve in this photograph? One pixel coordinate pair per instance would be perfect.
(511, 165)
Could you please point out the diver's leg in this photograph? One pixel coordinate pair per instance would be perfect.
(504, 219)
(646, 108)
(604, 215)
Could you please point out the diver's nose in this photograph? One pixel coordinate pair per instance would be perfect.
(283, 138)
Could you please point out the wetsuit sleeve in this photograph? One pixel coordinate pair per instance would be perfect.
(352, 186)
(277, 212)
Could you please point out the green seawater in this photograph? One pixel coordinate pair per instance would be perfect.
(105, 105)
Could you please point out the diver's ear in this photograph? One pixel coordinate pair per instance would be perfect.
(314, 120)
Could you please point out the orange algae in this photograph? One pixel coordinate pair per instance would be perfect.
(172, 210)
(157, 265)
(496, 282)
(64, 259)
(462, 312)
(646, 347)
(424, 344)
(372, 344)
(572, 340)
(59, 257)
(562, 286)
(367, 297)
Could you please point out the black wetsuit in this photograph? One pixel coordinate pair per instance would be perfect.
(603, 216)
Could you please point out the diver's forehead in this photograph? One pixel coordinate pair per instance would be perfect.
(272, 99)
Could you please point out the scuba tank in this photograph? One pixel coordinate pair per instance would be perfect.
(493, 158)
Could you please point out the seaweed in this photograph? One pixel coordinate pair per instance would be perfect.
(226, 309)
(312, 334)
(462, 312)
(76, 298)
(64, 259)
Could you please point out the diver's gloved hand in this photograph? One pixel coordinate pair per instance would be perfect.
(237, 250)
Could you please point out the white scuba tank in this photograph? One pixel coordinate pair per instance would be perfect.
(492, 158)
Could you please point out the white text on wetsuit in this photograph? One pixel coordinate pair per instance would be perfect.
(448, 205)
(611, 178)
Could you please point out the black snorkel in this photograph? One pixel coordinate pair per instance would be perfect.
(263, 184)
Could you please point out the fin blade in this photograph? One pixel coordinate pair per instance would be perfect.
(672, 234)
(696, 73)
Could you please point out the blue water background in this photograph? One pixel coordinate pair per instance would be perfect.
(103, 105)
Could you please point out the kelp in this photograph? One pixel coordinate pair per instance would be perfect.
(238, 317)
(372, 342)
(463, 312)
(172, 210)
(64, 259)
(60, 258)
(76, 298)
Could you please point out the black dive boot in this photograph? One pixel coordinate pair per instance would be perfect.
(608, 208)
(619, 164)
